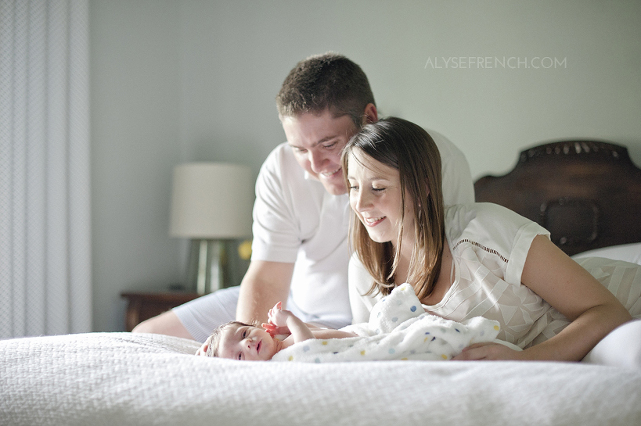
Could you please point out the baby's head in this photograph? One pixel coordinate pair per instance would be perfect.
(238, 340)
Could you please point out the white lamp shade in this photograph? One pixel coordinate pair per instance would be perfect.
(211, 201)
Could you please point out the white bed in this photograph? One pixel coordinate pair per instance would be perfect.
(126, 379)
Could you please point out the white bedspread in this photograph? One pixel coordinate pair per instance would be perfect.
(398, 329)
(125, 379)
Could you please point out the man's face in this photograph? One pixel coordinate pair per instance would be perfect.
(318, 141)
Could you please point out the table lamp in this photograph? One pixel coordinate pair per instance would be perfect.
(211, 203)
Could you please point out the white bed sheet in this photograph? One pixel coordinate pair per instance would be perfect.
(128, 379)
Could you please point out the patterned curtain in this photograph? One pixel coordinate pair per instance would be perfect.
(45, 245)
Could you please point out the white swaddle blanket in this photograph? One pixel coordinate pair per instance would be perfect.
(398, 329)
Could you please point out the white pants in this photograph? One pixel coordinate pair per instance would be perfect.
(201, 316)
(620, 348)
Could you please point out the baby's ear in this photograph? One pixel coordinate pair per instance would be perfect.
(203, 349)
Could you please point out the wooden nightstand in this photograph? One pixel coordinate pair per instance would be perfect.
(142, 306)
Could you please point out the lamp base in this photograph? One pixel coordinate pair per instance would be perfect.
(208, 268)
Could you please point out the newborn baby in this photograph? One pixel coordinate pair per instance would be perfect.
(237, 340)
(398, 329)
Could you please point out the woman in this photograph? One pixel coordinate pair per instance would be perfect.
(469, 260)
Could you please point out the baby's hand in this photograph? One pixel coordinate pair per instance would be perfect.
(278, 316)
(273, 327)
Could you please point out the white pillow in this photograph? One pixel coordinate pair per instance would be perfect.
(626, 252)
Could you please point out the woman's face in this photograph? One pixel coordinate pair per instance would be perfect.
(375, 197)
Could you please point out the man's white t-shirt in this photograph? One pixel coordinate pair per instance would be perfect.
(297, 221)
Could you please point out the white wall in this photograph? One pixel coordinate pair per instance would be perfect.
(176, 81)
(135, 130)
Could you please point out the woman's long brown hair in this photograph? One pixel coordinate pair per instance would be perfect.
(409, 149)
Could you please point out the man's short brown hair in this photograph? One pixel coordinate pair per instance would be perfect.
(329, 81)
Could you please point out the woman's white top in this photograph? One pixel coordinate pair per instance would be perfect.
(489, 245)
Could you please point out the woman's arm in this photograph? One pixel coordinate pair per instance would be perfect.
(570, 289)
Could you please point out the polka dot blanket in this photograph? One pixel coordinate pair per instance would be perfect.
(398, 329)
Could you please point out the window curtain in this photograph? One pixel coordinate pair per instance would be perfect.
(45, 246)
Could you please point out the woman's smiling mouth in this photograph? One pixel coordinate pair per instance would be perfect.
(373, 221)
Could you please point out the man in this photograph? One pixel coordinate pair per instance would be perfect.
(301, 215)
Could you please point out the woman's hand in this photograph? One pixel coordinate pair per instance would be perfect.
(489, 352)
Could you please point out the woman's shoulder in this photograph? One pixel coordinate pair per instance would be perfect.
(461, 216)
(485, 223)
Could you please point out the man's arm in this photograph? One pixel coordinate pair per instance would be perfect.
(264, 284)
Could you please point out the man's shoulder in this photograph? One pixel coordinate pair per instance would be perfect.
(281, 165)
(281, 172)
(281, 156)
(445, 146)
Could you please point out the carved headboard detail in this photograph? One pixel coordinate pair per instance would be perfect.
(587, 193)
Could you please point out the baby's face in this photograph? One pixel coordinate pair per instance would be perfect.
(246, 343)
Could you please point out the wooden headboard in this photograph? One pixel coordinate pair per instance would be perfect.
(587, 193)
